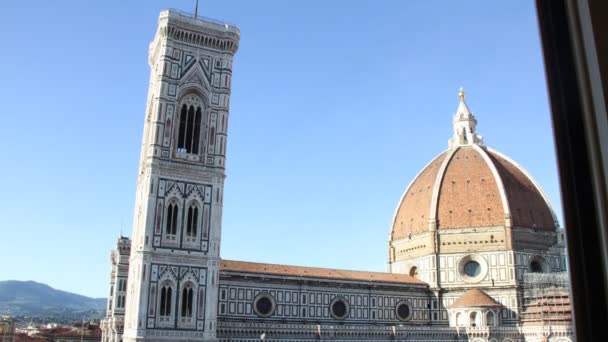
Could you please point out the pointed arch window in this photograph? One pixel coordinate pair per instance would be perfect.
(192, 221)
(187, 301)
(189, 132)
(171, 224)
(165, 301)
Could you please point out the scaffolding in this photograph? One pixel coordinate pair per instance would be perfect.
(545, 299)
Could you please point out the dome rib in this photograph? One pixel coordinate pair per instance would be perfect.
(499, 183)
(526, 176)
(469, 194)
(437, 187)
(471, 186)
(403, 198)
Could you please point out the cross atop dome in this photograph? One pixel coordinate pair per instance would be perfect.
(464, 125)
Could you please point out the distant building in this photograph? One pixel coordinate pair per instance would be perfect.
(468, 230)
(29, 330)
(113, 325)
(87, 331)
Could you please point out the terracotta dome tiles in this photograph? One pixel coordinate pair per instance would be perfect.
(528, 207)
(469, 195)
(412, 214)
(474, 298)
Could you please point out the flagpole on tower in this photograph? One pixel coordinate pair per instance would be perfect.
(196, 10)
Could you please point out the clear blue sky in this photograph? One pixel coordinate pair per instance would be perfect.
(336, 105)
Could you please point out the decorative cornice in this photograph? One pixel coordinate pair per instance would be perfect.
(250, 331)
(201, 32)
(185, 171)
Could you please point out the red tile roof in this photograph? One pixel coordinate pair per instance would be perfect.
(314, 272)
(527, 205)
(469, 195)
(474, 298)
(412, 215)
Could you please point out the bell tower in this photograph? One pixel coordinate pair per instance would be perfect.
(174, 264)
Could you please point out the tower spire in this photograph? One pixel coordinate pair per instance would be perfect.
(196, 10)
(464, 124)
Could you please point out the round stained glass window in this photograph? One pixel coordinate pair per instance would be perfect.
(403, 311)
(263, 305)
(339, 308)
(472, 269)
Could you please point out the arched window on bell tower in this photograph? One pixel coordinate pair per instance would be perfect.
(187, 301)
(189, 127)
(192, 220)
(171, 222)
(165, 301)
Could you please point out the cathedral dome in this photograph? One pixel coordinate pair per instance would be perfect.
(471, 185)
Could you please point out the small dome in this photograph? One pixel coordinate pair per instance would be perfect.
(474, 298)
(468, 186)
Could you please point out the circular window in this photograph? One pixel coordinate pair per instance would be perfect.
(472, 268)
(339, 308)
(403, 311)
(264, 305)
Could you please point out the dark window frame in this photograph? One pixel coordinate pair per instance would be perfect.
(189, 129)
(577, 79)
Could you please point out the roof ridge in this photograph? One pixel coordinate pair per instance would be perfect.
(317, 271)
(312, 267)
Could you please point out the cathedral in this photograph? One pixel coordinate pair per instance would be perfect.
(475, 251)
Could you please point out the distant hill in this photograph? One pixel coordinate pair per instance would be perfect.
(29, 298)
